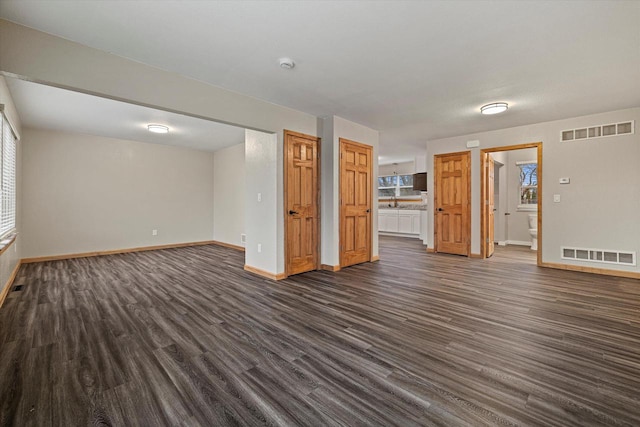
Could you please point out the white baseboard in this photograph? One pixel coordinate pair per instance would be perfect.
(389, 233)
(518, 242)
(502, 243)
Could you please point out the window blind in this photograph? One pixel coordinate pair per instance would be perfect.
(8, 177)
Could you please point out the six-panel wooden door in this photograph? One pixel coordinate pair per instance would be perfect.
(301, 203)
(451, 203)
(356, 173)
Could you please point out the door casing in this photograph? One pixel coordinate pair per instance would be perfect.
(483, 231)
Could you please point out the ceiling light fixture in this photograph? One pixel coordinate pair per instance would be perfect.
(287, 63)
(495, 108)
(158, 128)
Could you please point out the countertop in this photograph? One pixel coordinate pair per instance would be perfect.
(403, 206)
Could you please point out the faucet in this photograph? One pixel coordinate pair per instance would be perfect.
(395, 201)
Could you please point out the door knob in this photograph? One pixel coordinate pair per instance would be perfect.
(293, 213)
(368, 210)
(440, 209)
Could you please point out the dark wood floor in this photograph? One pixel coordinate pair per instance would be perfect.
(186, 337)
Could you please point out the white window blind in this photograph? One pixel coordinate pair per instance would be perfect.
(8, 176)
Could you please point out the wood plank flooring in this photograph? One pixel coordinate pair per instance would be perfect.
(187, 337)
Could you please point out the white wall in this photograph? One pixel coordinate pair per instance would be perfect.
(599, 209)
(334, 128)
(85, 193)
(229, 194)
(404, 168)
(10, 258)
(48, 59)
(261, 217)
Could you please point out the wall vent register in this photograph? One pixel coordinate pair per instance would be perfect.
(623, 128)
(599, 255)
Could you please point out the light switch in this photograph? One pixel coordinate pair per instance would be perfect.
(556, 198)
(259, 197)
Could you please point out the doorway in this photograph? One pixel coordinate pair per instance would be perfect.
(301, 199)
(527, 195)
(356, 193)
(452, 207)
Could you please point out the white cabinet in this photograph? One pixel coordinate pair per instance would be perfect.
(403, 221)
(388, 220)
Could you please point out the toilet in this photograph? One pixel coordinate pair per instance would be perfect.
(533, 231)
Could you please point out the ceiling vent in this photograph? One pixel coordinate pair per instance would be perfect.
(599, 255)
(624, 128)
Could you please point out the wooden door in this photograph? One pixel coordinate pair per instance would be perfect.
(301, 202)
(356, 173)
(451, 203)
(489, 205)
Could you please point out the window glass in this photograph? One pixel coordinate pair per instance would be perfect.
(387, 181)
(528, 183)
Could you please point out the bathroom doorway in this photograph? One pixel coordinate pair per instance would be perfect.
(511, 201)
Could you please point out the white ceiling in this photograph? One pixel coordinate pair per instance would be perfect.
(413, 70)
(47, 107)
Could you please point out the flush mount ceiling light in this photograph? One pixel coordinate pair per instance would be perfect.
(287, 63)
(495, 108)
(158, 128)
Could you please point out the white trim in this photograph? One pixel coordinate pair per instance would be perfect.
(518, 243)
(526, 162)
(533, 207)
(3, 110)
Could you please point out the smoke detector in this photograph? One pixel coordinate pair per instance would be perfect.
(287, 63)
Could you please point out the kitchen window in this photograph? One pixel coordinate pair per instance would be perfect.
(396, 186)
(528, 187)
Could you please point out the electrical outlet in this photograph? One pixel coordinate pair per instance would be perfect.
(259, 247)
(259, 197)
(243, 238)
(556, 198)
(154, 232)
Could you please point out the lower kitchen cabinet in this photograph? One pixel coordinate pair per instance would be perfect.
(404, 221)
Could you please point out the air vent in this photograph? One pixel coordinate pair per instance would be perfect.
(599, 255)
(613, 129)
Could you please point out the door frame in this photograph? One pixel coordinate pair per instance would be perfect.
(483, 231)
(285, 172)
(370, 148)
(435, 200)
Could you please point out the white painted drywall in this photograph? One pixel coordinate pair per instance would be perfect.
(229, 194)
(10, 258)
(334, 128)
(261, 215)
(404, 168)
(41, 57)
(599, 209)
(85, 193)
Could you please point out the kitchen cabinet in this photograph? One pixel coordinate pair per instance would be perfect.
(402, 221)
